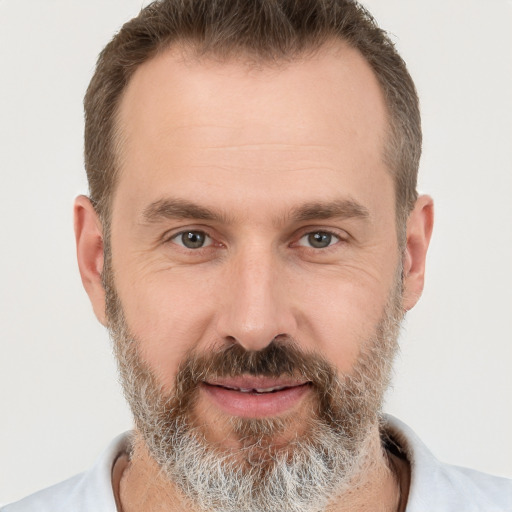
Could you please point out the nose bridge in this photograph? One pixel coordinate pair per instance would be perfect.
(257, 307)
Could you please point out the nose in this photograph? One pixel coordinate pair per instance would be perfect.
(257, 303)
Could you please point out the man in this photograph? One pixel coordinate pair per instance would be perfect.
(252, 240)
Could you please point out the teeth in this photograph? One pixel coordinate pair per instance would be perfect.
(259, 390)
(255, 390)
(269, 390)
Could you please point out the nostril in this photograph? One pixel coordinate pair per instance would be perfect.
(254, 324)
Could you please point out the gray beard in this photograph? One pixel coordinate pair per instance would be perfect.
(301, 476)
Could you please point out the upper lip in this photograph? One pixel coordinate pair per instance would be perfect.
(256, 382)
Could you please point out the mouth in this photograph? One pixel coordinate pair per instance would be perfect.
(255, 397)
(257, 390)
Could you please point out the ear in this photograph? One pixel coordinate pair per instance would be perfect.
(419, 231)
(89, 248)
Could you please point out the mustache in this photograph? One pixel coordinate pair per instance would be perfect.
(281, 357)
(343, 402)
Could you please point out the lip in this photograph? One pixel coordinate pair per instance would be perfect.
(281, 396)
(256, 382)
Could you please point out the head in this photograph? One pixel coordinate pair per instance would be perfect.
(253, 239)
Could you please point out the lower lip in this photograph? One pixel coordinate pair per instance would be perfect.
(255, 405)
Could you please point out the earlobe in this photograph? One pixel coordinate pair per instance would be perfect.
(419, 232)
(89, 248)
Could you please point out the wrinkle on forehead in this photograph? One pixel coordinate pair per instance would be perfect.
(329, 84)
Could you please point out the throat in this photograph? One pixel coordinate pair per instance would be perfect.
(138, 484)
(381, 483)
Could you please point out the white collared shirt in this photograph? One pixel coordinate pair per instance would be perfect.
(435, 487)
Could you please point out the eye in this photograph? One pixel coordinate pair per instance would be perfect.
(318, 239)
(192, 239)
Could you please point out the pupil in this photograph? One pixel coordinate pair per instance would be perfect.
(193, 239)
(319, 240)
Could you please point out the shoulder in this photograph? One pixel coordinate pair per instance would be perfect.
(90, 491)
(54, 498)
(443, 487)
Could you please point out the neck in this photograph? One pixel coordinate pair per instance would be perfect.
(376, 485)
(141, 486)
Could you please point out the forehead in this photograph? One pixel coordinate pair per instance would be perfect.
(319, 116)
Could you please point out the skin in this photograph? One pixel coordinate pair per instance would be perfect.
(255, 145)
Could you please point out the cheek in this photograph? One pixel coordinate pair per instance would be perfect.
(339, 316)
(169, 313)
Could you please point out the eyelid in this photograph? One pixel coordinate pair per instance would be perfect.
(171, 236)
(341, 237)
(338, 233)
(179, 230)
(333, 235)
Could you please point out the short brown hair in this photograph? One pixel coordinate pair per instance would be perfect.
(268, 30)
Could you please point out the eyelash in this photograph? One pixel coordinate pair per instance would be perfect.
(176, 236)
(337, 236)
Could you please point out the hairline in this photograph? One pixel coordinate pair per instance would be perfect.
(191, 49)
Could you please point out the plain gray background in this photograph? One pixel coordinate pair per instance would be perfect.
(59, 400)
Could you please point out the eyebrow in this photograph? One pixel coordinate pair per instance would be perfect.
(179, 209)
(173, 208)
(341, 208)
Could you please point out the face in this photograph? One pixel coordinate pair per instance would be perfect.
(252, 204)
(253, 242)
